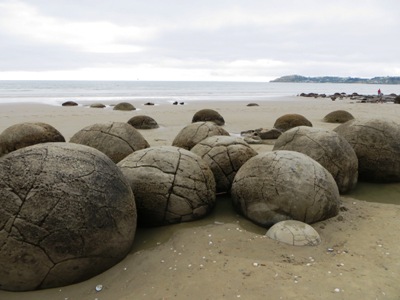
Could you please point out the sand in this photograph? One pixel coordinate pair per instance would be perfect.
(224, 256)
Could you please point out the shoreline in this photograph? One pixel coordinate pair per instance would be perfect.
(178, 261)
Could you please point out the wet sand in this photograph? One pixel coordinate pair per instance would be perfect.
(224, 256)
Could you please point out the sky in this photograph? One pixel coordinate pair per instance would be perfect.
(210, 40)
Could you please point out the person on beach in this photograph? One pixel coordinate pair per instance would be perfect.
(380, 95)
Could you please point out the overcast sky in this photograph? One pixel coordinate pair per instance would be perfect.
(252, 40)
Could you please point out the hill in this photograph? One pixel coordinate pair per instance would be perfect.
(335, 79)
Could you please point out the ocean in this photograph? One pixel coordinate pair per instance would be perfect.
(57, 92)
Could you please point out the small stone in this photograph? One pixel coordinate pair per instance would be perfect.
(336, 290)
(99, 287)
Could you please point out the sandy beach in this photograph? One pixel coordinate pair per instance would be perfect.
(224, 256)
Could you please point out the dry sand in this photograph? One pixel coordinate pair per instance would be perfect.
(225, 256)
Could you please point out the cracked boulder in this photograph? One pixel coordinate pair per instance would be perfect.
(284, 185)
(225, 155)
(338, 116)
(194, 133)
(377, 145)
(27, 134)
(67, 213)
(289, 121)
(208, 115)
(117, 140)
(170, 184)
(143, 122)
(328, 148)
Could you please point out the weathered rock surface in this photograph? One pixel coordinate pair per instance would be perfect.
(143, 122)
(289, 121)
(67, 213)
(283, 185)
(170, 185)
(225, 155)
(194, 133)
(262, 133)
(294, 233)
(377, 145)
(208, 115)
(328, 148)
(26, 134)
(338, 116)
(117, 140)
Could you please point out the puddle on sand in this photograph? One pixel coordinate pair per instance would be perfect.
(377, 192)
(223, 212)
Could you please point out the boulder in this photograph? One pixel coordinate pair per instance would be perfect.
(377, 146)
(338, 116)
(328, 148)
(67, 214)
(194, 133)
(262, 133)
(70, 103)
(143, 122)
(208, 115)
(289, 121)
(170, 185)
(252, 104)
(26, 134)
(294, 233)
(397, 100)
(116, 140)
(224, 155)
(97, 105)
(283, 185)
(124, 106)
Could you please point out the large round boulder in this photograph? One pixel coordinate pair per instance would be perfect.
(225, 155)
(194, 133)
(124, 106)
(27, 134)
(328, 148)
(289, 121)
(67, 214)
(117, 140)
(170, 185)
(338, 116)
(283, 185)
(143, 122)
(208, 115)
(377, 145)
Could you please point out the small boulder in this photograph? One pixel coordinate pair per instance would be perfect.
(124, 106)
(170, 184)
(252, 104)
(117, 140)
(208, 115)
(70, 103)
(289, 121)
(143, 122)
(195, 133)
(294, 233)
(26, 134)
(97, 105)
(338, 116)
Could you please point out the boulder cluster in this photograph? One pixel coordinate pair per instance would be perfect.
(69, 210)
(355, 96)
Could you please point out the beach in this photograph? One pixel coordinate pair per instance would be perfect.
(225, 256)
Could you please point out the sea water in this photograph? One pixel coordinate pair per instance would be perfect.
(57, 92)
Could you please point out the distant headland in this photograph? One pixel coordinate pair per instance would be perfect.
(335, 79)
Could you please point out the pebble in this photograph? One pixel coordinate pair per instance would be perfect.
(337, 290)
(99, 287)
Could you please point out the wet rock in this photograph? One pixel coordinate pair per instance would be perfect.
(67, 214)
(70, 103)
(170, 185)
(338, 116)
(143, 122)
(208, 115)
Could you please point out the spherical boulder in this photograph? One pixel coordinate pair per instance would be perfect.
(26, 134)
(282, 185)
(124, 106)
(97, 105)
(170, 185)
(338, 116)
(208, 115)
(196, 132)
(328, 148)
(143, 122)
(377, 145)
(67, 214)
(289, 121)
(225, 155)
(116, 140)
(294, 233)
(70, 103)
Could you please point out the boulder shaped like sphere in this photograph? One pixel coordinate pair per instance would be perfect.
(283, 185)
(66, 214)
